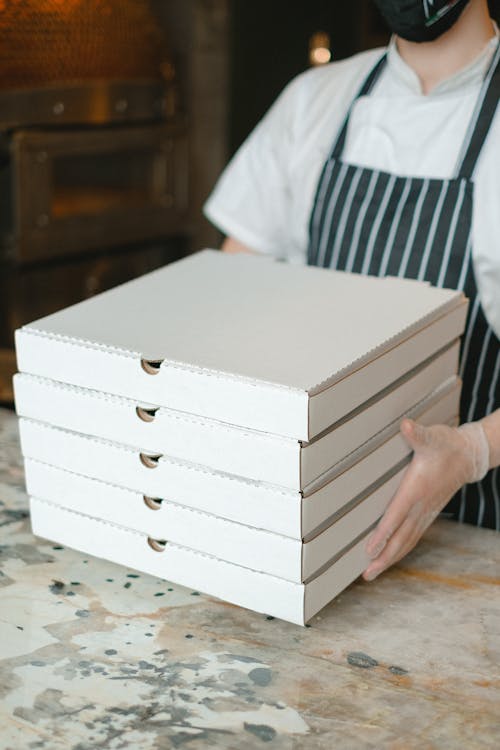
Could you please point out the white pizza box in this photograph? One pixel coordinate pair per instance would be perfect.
(237, 543)
(246, 340)
(261, 592)
(258, 504)
(247, 453)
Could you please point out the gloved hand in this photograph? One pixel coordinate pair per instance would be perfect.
(444, 459)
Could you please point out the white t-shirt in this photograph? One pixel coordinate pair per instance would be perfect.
(265, 196)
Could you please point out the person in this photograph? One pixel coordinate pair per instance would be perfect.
(389, 163)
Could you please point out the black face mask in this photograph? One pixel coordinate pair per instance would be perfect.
(420, 20)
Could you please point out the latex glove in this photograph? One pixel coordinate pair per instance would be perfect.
(444, 459)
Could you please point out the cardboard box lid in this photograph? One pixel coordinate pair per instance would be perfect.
(219, 328)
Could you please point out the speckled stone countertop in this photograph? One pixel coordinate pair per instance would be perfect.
(93, 655)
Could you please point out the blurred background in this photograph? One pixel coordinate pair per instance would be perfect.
(116, 118)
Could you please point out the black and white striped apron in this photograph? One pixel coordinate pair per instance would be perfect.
(372, 222)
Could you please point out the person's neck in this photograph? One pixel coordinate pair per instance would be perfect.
(435, 61)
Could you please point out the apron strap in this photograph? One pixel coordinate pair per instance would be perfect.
(481, 121)
(365, 89)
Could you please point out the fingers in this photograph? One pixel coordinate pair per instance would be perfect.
(415, 434)
(395, 514)
(402, 542)
(433, 476)
(416, 520)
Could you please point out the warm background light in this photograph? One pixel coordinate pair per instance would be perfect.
(319, 48)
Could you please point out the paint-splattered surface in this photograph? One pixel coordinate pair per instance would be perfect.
(93, 655)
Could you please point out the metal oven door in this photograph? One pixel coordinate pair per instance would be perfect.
(79, 190)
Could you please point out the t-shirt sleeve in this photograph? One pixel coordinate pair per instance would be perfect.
(251, 200)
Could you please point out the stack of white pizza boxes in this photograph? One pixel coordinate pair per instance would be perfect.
(231, 423)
